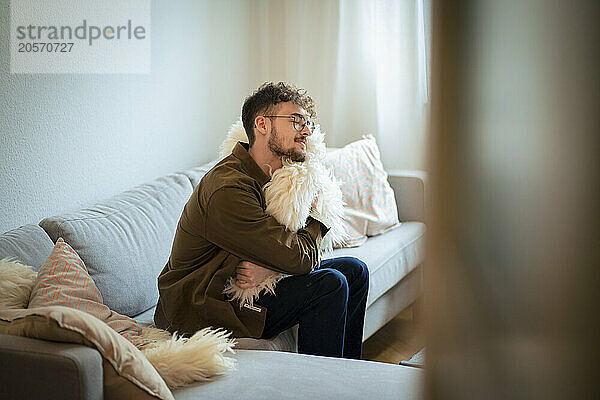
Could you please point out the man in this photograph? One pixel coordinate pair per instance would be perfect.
(224, 230)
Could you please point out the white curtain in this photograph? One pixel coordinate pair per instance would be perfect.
(401, 81)
(364, 62)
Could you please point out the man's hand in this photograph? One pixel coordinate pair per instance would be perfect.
(248, 275)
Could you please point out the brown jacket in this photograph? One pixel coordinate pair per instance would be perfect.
(223, 223)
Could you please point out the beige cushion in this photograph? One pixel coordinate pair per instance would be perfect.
(127, 373)
(64, 280)
(370, 203)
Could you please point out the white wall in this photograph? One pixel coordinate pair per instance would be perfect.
(69, 140)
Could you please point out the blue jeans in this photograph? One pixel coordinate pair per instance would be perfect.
(328, 304)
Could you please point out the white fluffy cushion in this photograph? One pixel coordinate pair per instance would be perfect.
(16, 281)
(370, 204)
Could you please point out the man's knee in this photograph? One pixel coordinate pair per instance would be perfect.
(360, 271)
(334, 281)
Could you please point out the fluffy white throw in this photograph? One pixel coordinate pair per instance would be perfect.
(289, 197)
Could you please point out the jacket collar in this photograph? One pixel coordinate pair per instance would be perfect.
(240, 151)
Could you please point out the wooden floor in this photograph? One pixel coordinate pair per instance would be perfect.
(396, 341)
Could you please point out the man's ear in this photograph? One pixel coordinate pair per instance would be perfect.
(261, 125)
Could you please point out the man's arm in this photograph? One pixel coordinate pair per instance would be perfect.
(236, 222)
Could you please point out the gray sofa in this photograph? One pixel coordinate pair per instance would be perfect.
(125, 242)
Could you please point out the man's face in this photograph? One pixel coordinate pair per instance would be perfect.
(284, 140)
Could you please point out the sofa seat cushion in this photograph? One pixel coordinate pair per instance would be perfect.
(278, 375)
(389, 257)
(126, 241)
(29, 245)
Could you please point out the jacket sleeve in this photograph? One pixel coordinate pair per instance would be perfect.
(236, 222)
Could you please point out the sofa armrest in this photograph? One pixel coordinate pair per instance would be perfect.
(409, 190)
(39, 369)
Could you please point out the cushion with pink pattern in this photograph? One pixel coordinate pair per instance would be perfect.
(370, 204)
(63, 280)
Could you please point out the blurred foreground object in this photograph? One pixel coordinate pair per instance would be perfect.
(512, 272)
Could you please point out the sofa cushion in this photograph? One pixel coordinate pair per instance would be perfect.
(370, 204)
(389, 257)
(278, 375)
(64, 280)
(126, 241)
(29, 245)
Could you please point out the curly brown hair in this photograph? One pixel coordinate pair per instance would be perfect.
(266, 97)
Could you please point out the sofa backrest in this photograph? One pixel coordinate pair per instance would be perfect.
(196, 174)
(29, 245)
(126, 240)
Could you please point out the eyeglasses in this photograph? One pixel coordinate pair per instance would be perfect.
(298, 121)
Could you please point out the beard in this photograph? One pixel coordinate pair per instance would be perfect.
(275, 145)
